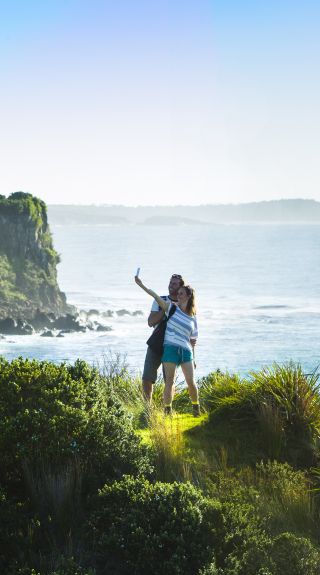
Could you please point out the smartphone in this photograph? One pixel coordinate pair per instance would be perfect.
(138, 271)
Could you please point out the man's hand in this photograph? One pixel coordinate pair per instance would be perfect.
(155, 317)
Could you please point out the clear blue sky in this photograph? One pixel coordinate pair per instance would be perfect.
(160, 102)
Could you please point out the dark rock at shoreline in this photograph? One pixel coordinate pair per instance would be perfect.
(68, 322)
(108, 313)
(101, 327)
(93, 312)
(49, 323)
(121, 312)
(42, 320)
(10, 326)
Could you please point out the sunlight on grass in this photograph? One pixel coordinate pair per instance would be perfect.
(185, 422)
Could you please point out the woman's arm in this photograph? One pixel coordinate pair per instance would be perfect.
(163, 304)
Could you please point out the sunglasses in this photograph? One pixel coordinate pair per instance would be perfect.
(179, 277)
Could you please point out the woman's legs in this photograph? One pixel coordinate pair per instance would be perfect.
(188, 372)
(170, 372)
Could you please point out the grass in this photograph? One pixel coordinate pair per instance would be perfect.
(245, 447)
(254, 436)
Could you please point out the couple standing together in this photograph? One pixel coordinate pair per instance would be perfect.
(179, 310)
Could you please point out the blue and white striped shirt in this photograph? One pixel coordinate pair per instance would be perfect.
(181, 327)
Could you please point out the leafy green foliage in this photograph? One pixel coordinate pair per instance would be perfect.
(52, 415)
(63, 433)
(24, 203)
(66, 431)
(139, 527)
(285, 554)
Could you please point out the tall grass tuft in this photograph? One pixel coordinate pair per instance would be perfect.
(278, 406)
(292, 398)
(125, 386)
(271, 425)
(168, 446)
(219, 391)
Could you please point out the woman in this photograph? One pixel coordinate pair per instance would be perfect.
(179, 341)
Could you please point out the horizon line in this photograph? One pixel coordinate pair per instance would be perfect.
(184, 205)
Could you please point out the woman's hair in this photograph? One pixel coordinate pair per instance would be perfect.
(191, 305)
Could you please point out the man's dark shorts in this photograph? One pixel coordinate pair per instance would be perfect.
(151, 366)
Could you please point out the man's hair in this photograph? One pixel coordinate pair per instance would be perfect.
(179, 277)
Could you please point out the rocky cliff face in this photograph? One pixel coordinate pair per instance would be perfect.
(28, 274)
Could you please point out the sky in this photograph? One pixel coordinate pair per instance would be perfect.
(149, 102)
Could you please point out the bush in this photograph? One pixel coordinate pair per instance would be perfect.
(67, 567)
(12, 535)
(275, 491)
(141, 528)
(285, 554)
(248, 548)
(56, 416)
(62, 435)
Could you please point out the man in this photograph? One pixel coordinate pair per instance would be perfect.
(152, 360)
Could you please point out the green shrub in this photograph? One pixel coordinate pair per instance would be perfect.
(141, 528)
(285, 554)
(66, 567)
(259, 507)
(286, 494)
(275, 490)
(71, 567)
(12, 533)
(56, 416)
(63, 434)
(292, 555)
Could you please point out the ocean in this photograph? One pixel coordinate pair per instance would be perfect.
(257, 290)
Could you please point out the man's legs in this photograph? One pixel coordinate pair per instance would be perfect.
(149, 376)
(147, 388)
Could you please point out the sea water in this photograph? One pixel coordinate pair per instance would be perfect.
(257, 289)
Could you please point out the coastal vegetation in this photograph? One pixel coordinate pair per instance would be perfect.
(92, 482)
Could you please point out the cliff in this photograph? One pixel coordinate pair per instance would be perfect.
(28, 274)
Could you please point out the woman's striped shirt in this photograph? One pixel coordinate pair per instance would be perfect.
(181, 327)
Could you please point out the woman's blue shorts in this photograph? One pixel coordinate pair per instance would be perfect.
(175, 354)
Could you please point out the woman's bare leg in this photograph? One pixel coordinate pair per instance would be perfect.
(170, 372)
(188, 372)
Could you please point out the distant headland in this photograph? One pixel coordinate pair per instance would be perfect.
(274, 211)
(30, 298)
